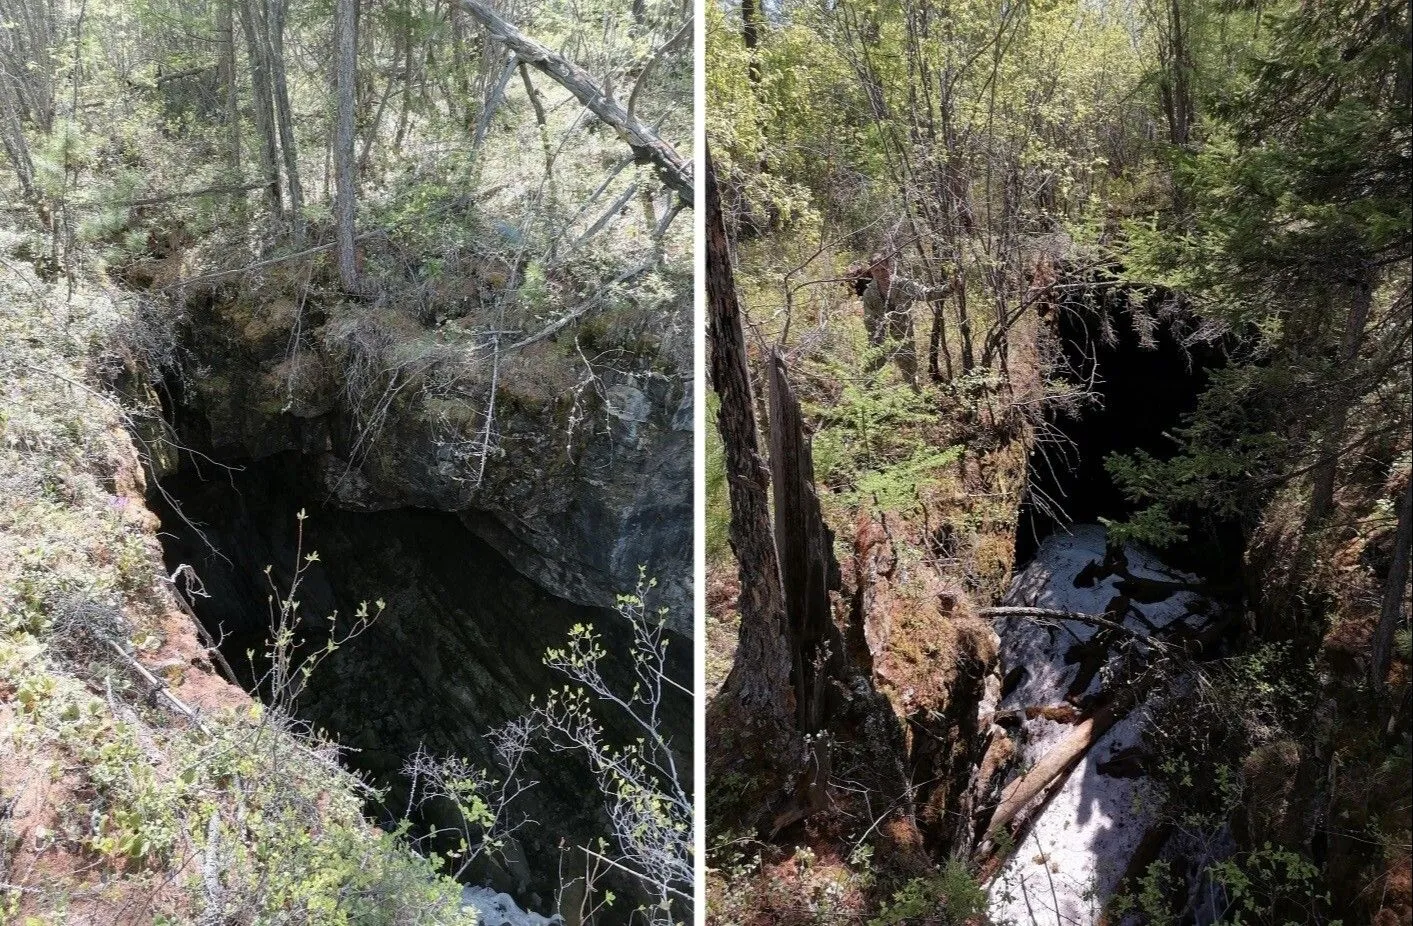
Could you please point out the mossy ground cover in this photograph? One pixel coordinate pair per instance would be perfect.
(115, 806)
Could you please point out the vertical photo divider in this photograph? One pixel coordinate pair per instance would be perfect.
(699, 450)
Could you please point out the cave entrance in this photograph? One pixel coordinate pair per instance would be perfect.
(1135, 352)
(457, 651)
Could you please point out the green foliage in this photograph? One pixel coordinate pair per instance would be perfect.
(1150, 899)
(949, 898)
(1249, 717)
(1295, 203)
(1269, 879)
(870, 445)
(646, 795)
(896, 487)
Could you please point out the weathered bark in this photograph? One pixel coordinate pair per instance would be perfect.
(759, 678)
(753, 718)
(345, 204)
(1058, 762)
(645, 143)
(1391, 614)
(804, 547)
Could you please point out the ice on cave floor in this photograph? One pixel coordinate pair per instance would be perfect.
(496, 909)
(1071, 860)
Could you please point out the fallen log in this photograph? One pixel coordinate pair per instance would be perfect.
(1060, 761)
(1093, 620)
(648, 146)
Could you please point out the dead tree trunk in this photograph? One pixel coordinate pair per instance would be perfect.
(804, 546)
(647, 146)
(752, 720)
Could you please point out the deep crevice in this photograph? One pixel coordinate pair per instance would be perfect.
(1147, 377)
(457, 651)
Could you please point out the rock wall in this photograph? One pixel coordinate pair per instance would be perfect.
(588, 470)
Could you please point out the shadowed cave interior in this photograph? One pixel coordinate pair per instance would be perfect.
(457, 651)
(1146, 381)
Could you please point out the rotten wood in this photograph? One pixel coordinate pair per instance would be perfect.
(803, 545)
(1059, 761)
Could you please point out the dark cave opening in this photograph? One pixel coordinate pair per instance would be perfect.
(1147, 376)
(457, 651)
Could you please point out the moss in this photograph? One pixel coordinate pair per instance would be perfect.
(141, 810)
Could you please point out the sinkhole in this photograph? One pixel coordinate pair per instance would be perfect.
(456, 652)
(1146, 371)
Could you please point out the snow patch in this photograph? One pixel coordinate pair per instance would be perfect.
(496, 909)
(1072, 859)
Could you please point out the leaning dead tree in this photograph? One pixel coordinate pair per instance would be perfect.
(753, 719)
(647, 146)
(792, 699)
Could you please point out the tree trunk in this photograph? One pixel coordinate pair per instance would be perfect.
(1056, 764)
(750, 35)
(405, 111)
(16, 147)
(938, 350)
(253, 20)
(493, 98)
(1180, 113)
(230, 81)
(753, 717)
(645, 143)
(547, 148)
(345, 203)
(804, 547)
(964, 326)
(1322, 478)
(1391, 614)
(284, 116)
(759, 678)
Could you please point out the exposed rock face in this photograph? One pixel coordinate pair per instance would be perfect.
(583, 474)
